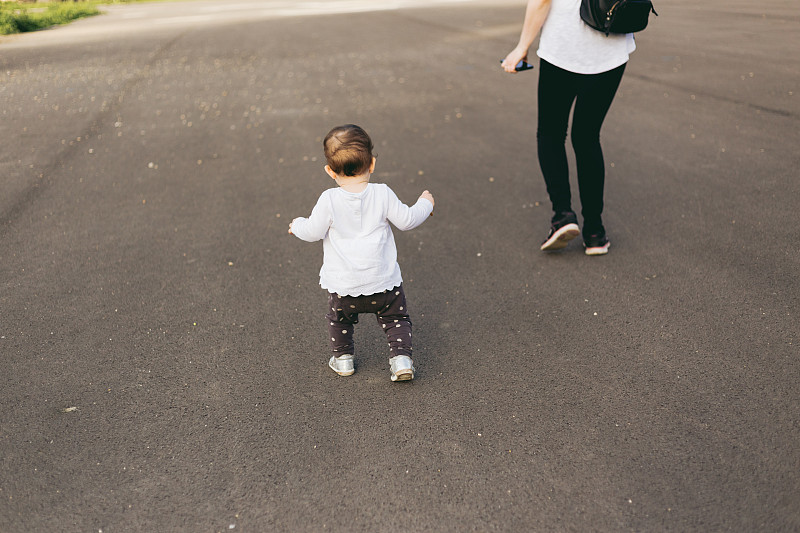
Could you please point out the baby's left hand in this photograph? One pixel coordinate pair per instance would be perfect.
(290, 228)
(428, 196)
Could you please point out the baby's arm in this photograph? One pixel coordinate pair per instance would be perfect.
(405, 218)
(315, 227)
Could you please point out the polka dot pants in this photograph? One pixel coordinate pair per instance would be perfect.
(388, 306)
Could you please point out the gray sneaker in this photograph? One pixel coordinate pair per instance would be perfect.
(402, 368)
(342, 365)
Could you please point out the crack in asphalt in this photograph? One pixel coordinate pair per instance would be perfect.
(28, 196)
(714, 96)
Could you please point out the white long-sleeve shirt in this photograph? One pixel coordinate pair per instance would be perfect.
(360, 256)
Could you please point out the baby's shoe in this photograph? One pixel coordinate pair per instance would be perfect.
(402, 368)
(342, 365)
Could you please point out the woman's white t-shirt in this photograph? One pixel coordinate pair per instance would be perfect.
(569, 43)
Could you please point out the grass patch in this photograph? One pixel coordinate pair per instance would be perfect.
(16, 17)
(19, 18)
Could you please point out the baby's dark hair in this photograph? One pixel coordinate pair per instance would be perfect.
(348, 150)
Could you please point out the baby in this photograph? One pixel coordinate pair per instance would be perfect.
(359, 267)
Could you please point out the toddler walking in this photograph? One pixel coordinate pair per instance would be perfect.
(359, 266)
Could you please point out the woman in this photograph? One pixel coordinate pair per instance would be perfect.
(581, 65)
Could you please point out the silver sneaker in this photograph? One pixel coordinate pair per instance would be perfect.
(342, 365)
(402, 368)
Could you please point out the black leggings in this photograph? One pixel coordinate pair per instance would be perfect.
(592, 94)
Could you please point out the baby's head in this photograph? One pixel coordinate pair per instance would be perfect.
(348, 150)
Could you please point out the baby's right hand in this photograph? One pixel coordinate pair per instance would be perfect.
(428, 196)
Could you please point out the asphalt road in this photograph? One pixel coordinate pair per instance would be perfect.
(162, 342)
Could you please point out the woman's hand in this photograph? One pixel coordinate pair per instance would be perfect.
(513, 58)
(535, 15)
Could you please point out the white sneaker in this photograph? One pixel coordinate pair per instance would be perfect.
(402, 368)
(342, 365)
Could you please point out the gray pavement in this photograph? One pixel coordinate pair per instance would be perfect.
(162, 342)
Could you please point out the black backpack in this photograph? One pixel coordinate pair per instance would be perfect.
(617, 16)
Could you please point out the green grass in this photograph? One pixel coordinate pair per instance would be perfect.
(18, 18)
